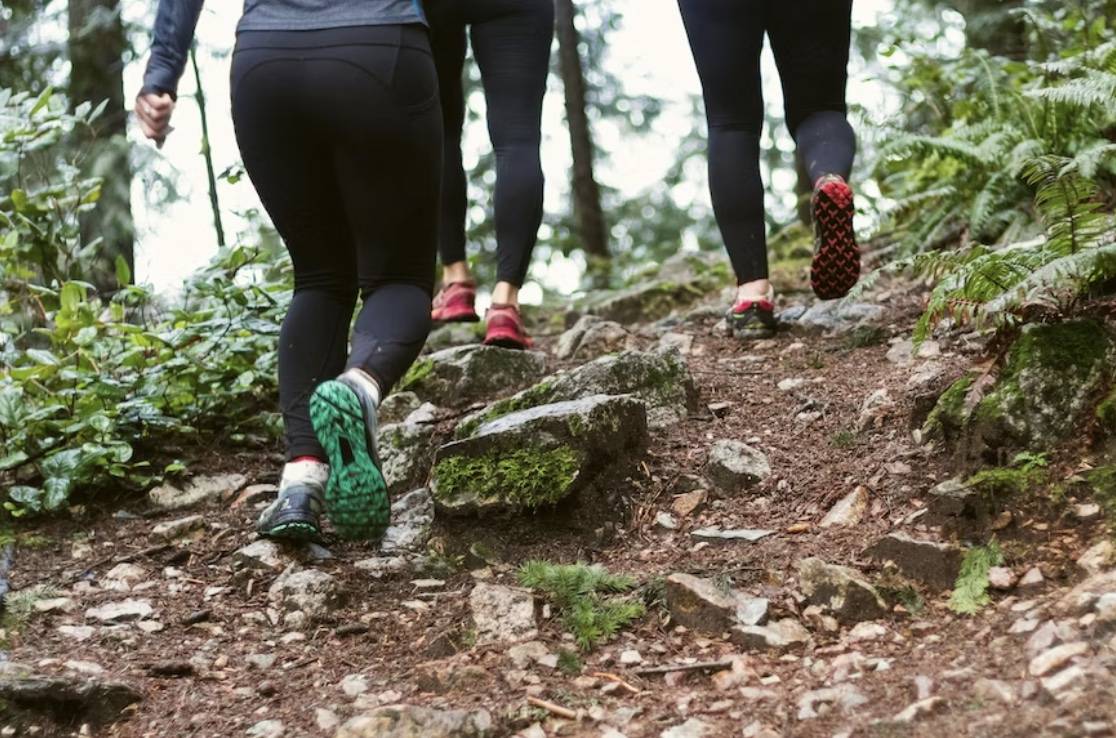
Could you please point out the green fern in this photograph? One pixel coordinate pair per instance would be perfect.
(588, 598)
(970, 592)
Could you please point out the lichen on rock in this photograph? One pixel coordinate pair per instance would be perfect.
(458, 376)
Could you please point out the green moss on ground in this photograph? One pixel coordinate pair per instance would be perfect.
(1102, 481)
(523, 477)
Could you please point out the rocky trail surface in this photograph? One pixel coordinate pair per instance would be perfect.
(830, 533)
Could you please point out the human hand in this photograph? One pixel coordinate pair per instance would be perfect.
(154, 113)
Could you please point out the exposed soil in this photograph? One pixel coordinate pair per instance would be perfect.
(397, 634)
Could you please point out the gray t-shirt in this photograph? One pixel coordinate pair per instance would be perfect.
(175, 21)
(294, 15)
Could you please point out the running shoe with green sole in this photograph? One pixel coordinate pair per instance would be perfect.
(294, 516)
(356, 496)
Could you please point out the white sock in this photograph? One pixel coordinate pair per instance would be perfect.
(310, 472)
(361, 379)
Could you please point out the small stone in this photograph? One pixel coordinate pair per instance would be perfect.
(867, 632)
(874, 409)
(311, 592)
(1087, 512)
(264, 555)
(666, 520)
(84, 667)
(267, 688)
(502, 613)
(54, 604)
(1033, 579)
(791, 384)
(523, 654)
(1063, 679)
(261, 661)
(683, 343)
(1001, 578)
(119, 612)
(77, 632)
(848, 511)
(734, 466)
(700, 605)
(780, 635)
(692, 728)
(150, 626)
(180, 528)
(686, 504)
(326, 720)
(919, 709)
(354, 685)
(1056, 658)
(840, 590)
(120, 577)
(1098, 558)
(843, 695)
(716, 535)
(267, 729)
(994, 690)
(719, 409)
(630, 657)
(406, 721)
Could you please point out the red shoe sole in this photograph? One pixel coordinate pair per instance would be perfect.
(455, 315)
(836, 265)
(505, 338)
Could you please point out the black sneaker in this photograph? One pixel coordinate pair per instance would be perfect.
(753, 317)
(295, 515)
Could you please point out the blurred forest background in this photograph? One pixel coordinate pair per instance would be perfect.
(987, 148)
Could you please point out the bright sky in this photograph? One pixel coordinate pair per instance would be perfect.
(650, 52)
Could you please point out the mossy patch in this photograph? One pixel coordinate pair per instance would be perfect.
(523, 478)
(1026, 472)
(1102, 481)
(534, 396)
(1106, 414)
(416, 375)
(948, 416)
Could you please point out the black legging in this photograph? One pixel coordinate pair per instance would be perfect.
(511, 42)
(810, 39)
(341, 133)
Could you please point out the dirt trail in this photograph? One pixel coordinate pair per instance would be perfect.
(216, 657)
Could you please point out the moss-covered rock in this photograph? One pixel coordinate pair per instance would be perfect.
(539, 456)
(459, 376)
(661, 380)
(1047, 387)
(1052, 375)
(1106, 414)
(406, 451)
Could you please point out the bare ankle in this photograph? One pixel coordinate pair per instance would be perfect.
(456, 272)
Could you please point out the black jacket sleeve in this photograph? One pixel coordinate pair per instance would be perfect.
(175, 22)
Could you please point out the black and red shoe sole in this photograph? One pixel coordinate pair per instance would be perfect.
(836, 266)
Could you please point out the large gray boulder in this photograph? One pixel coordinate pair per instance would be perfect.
(68, 698)
(537, 457)
(661, 380)
(457, 377)
(1047, 386)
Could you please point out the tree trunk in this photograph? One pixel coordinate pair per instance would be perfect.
(586, 193)
(96, 46)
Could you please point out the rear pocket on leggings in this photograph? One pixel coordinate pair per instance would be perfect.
(415, 82)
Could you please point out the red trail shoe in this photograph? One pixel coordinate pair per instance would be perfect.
(836, 266)
(456, 303)
(505, 328)
(754, 317)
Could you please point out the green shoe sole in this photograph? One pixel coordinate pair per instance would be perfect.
(356, 497)
(297, 532)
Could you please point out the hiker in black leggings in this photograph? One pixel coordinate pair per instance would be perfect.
(810, 39)
(511, 42)
(338, 120)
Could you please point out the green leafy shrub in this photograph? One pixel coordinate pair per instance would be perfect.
(103, 390)
(588, 598)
